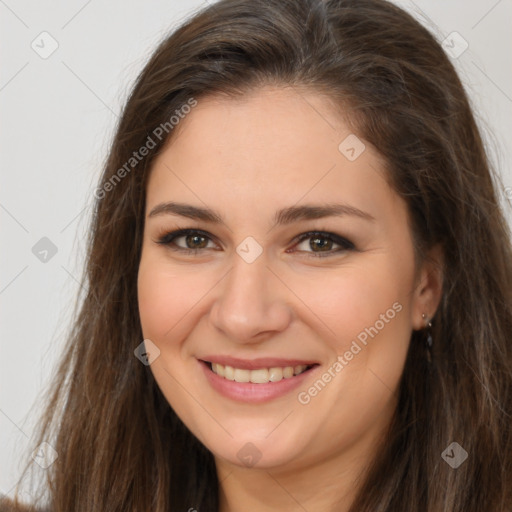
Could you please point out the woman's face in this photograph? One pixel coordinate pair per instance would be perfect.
(249, 290)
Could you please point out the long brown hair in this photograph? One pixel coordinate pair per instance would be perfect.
(120, 445)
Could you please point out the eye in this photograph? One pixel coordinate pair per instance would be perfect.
(194, 240)
(323, 241)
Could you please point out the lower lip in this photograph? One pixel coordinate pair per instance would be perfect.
(250, 392)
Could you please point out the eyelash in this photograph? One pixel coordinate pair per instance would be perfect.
(346, 245)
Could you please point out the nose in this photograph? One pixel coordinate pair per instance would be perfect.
(251, 304)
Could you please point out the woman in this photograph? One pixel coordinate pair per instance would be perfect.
(299, 280)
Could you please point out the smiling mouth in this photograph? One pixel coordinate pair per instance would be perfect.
(260, 375)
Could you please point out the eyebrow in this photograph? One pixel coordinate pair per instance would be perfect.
(281, 217)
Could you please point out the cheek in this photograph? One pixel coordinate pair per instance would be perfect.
(169, 302)
(164, 299)
(169, 294)
(352, 299)
(366, 308)
(373, 324)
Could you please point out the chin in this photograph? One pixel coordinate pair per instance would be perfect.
(260, 448)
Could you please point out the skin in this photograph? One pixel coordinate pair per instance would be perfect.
(247, 158)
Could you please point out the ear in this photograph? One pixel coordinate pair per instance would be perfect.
(428, 288)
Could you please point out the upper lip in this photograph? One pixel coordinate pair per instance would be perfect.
(254, 364)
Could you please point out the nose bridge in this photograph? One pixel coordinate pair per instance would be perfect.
(250, 301)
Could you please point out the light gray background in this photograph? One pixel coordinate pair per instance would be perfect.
(58, 115)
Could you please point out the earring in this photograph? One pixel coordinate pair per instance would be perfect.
(428, 325)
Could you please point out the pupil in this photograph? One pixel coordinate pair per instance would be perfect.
(193, 239)
(322, 242)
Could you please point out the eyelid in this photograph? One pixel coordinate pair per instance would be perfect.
(343, 242)
(168, 237)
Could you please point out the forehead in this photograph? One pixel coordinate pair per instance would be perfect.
(269, 123)
(275, 145)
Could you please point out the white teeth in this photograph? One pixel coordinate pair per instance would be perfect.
(259, 376)
(219, 370)
(288, 372)
(298, 369)
(275, 374)
(242, 375)
(229, 372)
